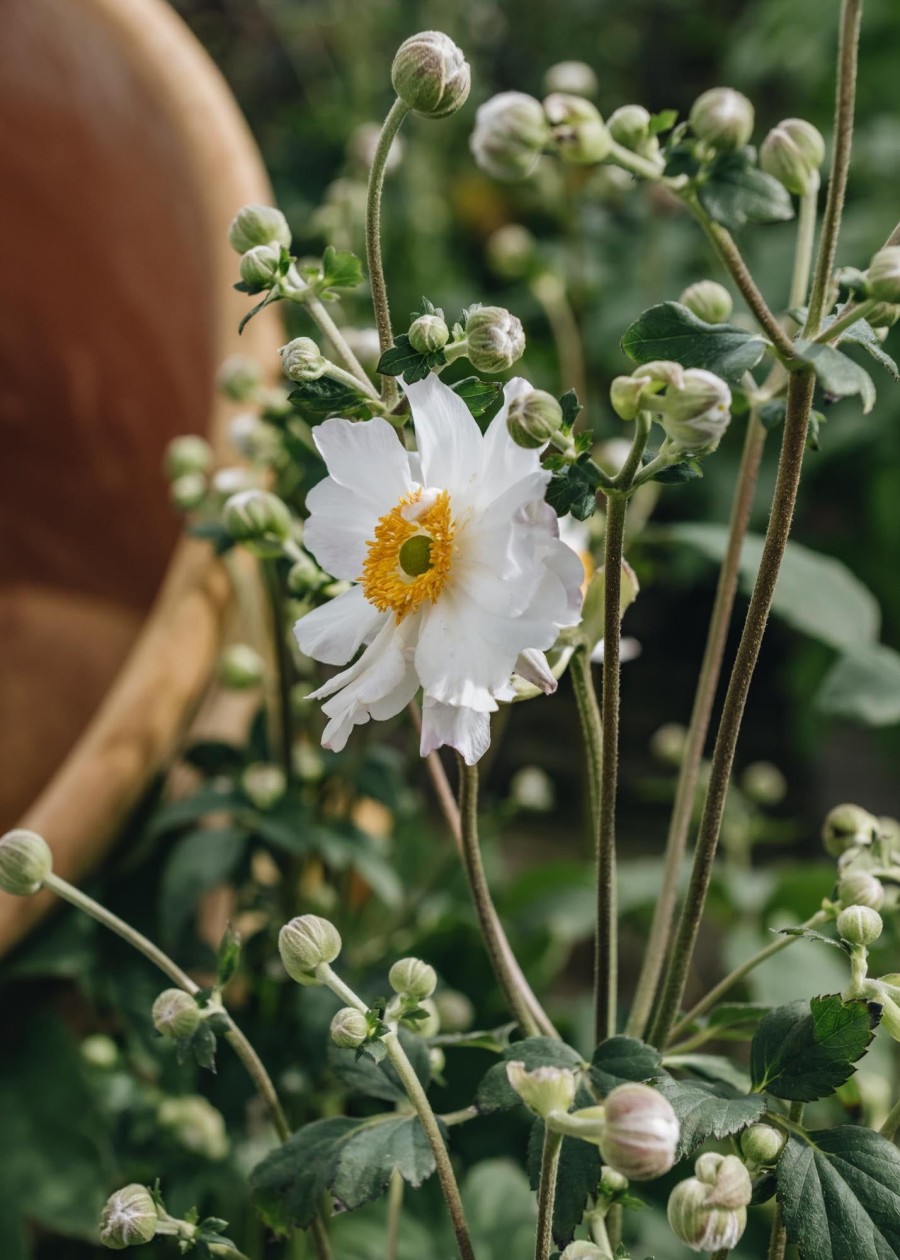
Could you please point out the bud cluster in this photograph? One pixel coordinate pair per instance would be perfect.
(692, 405)
(513, 129)
(708, 1212)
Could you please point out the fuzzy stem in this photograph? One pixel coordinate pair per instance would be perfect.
(892, 1123)
(778, 1239)
(543, 1243)
(704, 698)
(319, 315)
(803, 249)
(281, 736)
(395, 1210)
(643, 167)
(396, 114)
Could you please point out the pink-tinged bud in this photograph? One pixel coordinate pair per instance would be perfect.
(640, 1132)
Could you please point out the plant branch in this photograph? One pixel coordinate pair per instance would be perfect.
(892, 1123)
(803, 249)
(543, 1243)
(301, 293)
(396, 114)
(395, 1211)
(280, 714)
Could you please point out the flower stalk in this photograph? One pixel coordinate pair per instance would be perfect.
(396, 114)
(543, 1244)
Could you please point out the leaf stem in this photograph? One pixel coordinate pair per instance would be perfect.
(394, 1212)
(543, 1243)
(301, 293)
(803, 249)
(396, 114)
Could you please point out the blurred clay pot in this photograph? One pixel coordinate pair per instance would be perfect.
(124, 158)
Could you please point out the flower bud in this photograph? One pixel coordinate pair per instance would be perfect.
(437, 1060)
(629, 126)
(264, 784)
(241, 667)
(188, 454)
(581, 1249)
(611, 1181)
(430, 1026)
(195, 1124)
(764, 783)
(494, 339)
(129, 1218)
(305, 943)
(860, 888)
(413, 978)
(25, 862)
(239, 378)
(728, 1178)
(641, 1132)
(431, 75)
(543, 1090)
(890, 1015)
(761, 1144)
(228, 481)
(577, 129)
(260, 265)
(883, 316)
(723, 118)
(302, 360)
(258, 225)
(696, 416)
(349, 1028)
(701, 1225)
(884, 274)
(456, 1012)
(668, 743)
(709, 301)
(860, 925)
(510, 134)
(176, 1014)
(99, 1051)
(574, 77)
(511, 251)
(532, 788)
(626, 395)
(258, 518)
(428, 333)
(188, 492)
(304, 575)
(533, 419)
(847, 827)
(792, 153)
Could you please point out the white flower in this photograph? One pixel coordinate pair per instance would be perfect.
(459, 575)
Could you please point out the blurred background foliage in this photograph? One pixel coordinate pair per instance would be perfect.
(82, 1077)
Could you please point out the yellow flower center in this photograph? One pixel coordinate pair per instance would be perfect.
(408, 561)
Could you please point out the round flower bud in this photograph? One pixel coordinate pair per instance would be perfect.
(264, 784)
(239, 378)
(701, 1225)
(428, 333)
(241, 667)
(723, 118)
(860, 925)
(696, 416)
(577, 129)
(581, 1249)
(761, 1144)
(511, 251)
(792, 153)
(629, 126)
(627, 395)
(99, 1051)
(188, 454)
(456, 1012)
(188, 492)
(260, 266)
(709, 301)
(128, 1219)
(494, 339)
(641, 1132)
(728, 1178)
(611, 1181)
(176, 1014)
(884, 274)
(764, 783)
(228, 481)
(258, 225)
(574, 77)
(532, 788)
(430, 1026)
(883, 316)
(668, 743)
(195, 1124)
(860, 888)
(533, 419)
(847, 827)
(302, 360)
(349, 1028)
(259, 519)
(413, 978)
(25, 862)
(431, 75)
(304, 575)
(510, 134)
(305, 943)
(543, 1090)
(437, 1060)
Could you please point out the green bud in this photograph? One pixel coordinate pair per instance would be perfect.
(723, 118)
(495, 339)
(511, 132)
(431, 75)
(727, 1177)
(241, 667)
(437, 1060)
(259, 519)
(129, 1218)
(641, 1132)
(25, 862)
(188, 492)
(764, 783)
(792, 153)
(883, 316)
(577, 129)
(761, 1144)
(847, 827)
(456, 1012)
(186, 455)
(543, 1090)
(533, 419)
(239, 378)
(305, 943)
(176, 1014)
(195, 1124)
(581, 1249)
(229, 481)
(258, 225)
(629, 126)
(302, 360)
(709, 301)
(573, 77)
(349, 1028)
(304, 575)
(99, 1051)
(430, 1026)
(532, 788)
(860, 888)
(264, 784)
(260, 266)
(626, 395)
(860, 925)
(428, 333)
(612, 1182)
(413, 978)
(884, 275)
(890, 1015)
(696, 416)
(698, 1223)
(511, 251)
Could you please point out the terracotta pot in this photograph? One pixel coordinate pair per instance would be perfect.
(124, 157)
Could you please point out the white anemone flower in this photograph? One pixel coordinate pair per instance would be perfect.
(459, 577)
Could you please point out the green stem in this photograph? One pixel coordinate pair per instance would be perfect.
(551, 293)
(321, 1242)
(337, 373)
(845, 98)
(803, 250)
(600, 1234)
(319, 315)
(634, 163)
(698, 729)
(778, 1239)
(892, 1123)
(796, 423)
(281, 718)
(543, 1243)
(396, 114)
(394, 1212)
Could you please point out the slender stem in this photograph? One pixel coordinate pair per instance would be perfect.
(281, 736)
(396, 114)
(848, 48)
(718, 991)
(698, 728)
(337, 373)
(300, 292)
(600, 1235)
(543, 1243)
(778, 1239)
(803, 249)
(320, 1238)
(394, 1212)
(892, 1123)
(509, 979)
(582, 676)
(846, 320)
(551, 293)
(796, 423)
(633, 162)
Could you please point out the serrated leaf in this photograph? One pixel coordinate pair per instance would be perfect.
(380, 1080)
(578, 1177)
(670, 331)
(863, 334)
(678, 474)
(809, 935)
(734, 191)
(838, 375)
(203, 1047)
(287, 1187)
(370, 1155)
(272, 296)
(495, 1092)
(403, 360)
(708, 1109)
(805, 1051)
(839, 1191)
(341, 269)
(478, 395)
(621, 1059)
(494, 1039)
(573, 489)
(570, 407)
(863, 686)
(316, 400)
(736, 1014)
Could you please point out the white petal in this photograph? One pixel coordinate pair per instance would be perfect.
(368, 458)
(532, 666)
(337, 630)
(464, 654)
(504, 461)
(377, 685)
(463, 729)
(340, 525)
(449, 441)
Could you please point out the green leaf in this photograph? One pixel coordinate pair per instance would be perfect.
(839, 1191)
(863, 686)
(272, 296)
(190, 809)
(579, 1175)
(213, 757)
(570, 407)
(771, 414)
(495, 1092)
(708, 1109)
(734, 191)
(213, 532)
(839, 376)
(199, 861)
(340, 270)
(403, 360)
(623, 1059)
(478, 395)
(316, 400)
(815, 594)
(574, 489)
(805, 1051)
(809, 935)
(369, 1156)
(229, 956)
(737, 1015)
(663, 121)
(671, 331)
(500, 1208)
(677, 474)
(863, 334)
(379, 1080)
